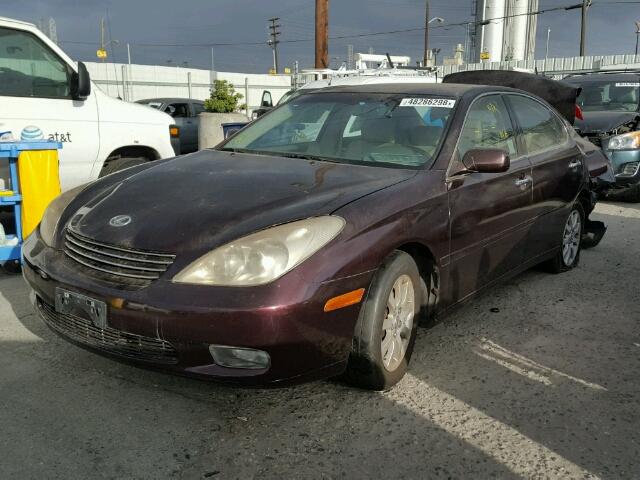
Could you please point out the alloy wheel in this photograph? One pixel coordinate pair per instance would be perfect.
(398, 322)
(571, 238)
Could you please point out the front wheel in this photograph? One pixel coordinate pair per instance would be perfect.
(387, 324)
(568, 255)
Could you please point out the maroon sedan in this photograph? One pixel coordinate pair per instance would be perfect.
(311, 243)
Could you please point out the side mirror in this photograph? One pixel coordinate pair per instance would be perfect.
(80, 83)
(266, 99)
(489, 160)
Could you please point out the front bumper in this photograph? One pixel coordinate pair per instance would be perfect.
(170, 326)
(621, 160)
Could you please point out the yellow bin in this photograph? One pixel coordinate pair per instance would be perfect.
(39, 185)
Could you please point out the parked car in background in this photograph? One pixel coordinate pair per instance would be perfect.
(46, 95)
(185, 113)
(376, 205)
(610, 103)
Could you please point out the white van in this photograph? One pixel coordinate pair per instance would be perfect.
(45, 94)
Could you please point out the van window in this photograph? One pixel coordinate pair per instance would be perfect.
(28, 68)
(178, 110)
(198, 108)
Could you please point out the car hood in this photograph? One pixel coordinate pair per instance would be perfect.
(603, 122)
(196, 202)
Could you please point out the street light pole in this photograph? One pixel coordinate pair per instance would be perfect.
(546, 55)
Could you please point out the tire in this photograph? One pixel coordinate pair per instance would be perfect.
(376, 330)
(118, 164)
(631, 195)
(568, 255)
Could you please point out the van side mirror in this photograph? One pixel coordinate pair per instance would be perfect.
(80, 83)
(486, 160)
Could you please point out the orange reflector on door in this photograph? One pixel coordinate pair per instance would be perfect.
(344, 300)
(174, 131)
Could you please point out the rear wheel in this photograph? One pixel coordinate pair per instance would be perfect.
(121, 163)
(568, 255)
(387, 325)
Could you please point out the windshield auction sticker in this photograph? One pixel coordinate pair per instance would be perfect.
(427, 102)
(628, 84)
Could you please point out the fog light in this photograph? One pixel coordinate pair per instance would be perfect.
(630, 168)
(233, 357)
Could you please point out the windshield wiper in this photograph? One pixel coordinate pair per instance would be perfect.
(304, 156)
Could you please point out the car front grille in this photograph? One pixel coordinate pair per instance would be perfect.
(116, 264)
(109, 340)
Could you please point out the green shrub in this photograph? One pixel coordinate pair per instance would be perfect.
(223, 99)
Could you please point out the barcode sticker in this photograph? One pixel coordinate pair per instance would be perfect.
(427, 102)
(628, 84)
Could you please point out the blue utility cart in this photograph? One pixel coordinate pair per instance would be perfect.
(12, 197)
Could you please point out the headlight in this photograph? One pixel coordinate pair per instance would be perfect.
(53, 213)
(626, 141)
(264, 256)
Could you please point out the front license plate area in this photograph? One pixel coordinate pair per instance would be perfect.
(72, 303)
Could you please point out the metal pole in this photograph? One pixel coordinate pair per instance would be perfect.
(246, 96)
(546, 55)
(322, 33)
(102, 36)
(426, 34)
(583, 26)
(637, 36)
(129, 53)
(189, 83)
(124, 83)
(213, 65)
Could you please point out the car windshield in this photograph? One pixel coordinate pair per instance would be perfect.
(373, 129)
(606, 95)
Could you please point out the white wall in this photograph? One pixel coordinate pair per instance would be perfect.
(136, 82)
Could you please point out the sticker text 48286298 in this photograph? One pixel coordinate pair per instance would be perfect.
(427, 102)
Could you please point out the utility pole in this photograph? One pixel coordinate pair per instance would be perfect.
(102, 46)
(426, 34)
(583, 26)
(322, 33)
(637, 36)
(274, 41)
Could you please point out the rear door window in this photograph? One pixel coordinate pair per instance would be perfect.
(542, 130)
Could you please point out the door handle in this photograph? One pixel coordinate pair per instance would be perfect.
(574, 164)
(523, 181)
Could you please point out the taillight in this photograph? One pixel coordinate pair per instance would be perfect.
(579, 115)
(174, 131)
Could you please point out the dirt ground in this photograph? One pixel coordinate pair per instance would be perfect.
(537, 378)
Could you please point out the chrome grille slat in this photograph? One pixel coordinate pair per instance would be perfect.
(92, 256)
(110, 340)
(117, 264)
(87, 246)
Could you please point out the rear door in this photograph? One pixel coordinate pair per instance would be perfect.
(557, 169)
(489, 212)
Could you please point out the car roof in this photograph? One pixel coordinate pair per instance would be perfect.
(599, 77)
(445, 89)
(169, 100)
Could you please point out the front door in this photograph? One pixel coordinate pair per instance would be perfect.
(36, 103)
(489, 212)
(181, 113)
(557, 170)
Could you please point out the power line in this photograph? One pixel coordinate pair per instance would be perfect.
(361, 35)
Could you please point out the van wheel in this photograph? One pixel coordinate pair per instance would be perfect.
(568, 254)
(386, 328)
(121, 163)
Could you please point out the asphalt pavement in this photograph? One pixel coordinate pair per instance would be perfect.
(537, 378)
